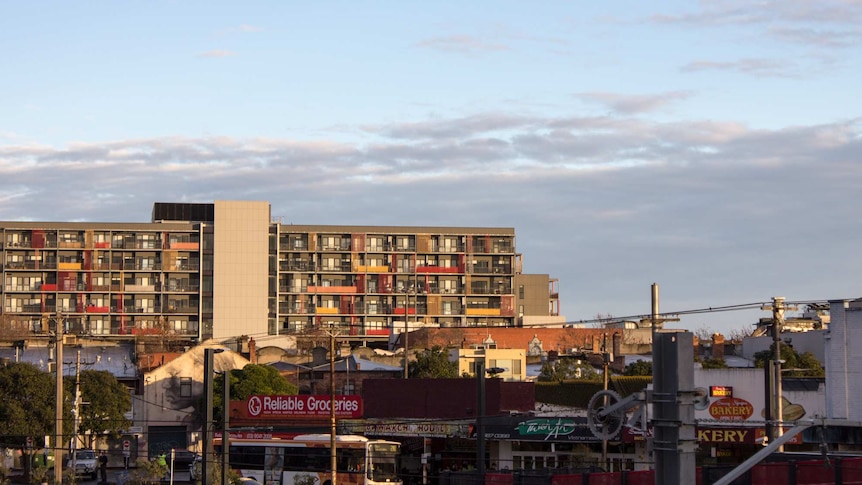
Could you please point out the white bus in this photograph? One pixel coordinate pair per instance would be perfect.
(306, 460)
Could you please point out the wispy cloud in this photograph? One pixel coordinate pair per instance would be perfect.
(464, 44)
(217, 53)
(754, 67)
(633, 104)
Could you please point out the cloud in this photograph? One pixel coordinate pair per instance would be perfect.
(715, 211)
(464, 44)
(245, 28)
(632, 104)
(754, 67)
(217, 53)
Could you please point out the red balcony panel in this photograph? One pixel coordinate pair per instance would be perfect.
(49, 287)
(103, 245)
(98, 309)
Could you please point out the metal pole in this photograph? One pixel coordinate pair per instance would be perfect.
(654, 291)
(605, 403)
(777, 322)
(332, 423)
(480, 422)
(58, 424)
(206, 459)
(406, 334)
(76, 411)
(225, 435)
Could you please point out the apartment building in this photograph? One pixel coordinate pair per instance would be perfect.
(227, 269)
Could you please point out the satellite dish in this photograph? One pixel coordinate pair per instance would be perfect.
(701, 398)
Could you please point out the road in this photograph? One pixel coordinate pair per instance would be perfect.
(115, 476)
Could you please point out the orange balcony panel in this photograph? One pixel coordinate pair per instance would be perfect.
(327, 311)
(495, 312)
(371, 269)
(185, 245)
(67, 266)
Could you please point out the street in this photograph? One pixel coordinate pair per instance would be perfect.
(117, 476)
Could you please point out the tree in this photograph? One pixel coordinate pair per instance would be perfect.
(253, 379)
(433, 364)
(711, 363)
(565, 369)
(27, 407)
(806, 365)
(638, 368)
(107, 402)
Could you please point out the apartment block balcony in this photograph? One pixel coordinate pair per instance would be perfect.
(97, 309)
(74, 244)
(490, 312)
(371, 269)
(140, 288)
(73, 266)
(189, 246)
(326, 311)
(332, 289)
(437, 269)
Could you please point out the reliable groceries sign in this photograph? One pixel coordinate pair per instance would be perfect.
(302, 406)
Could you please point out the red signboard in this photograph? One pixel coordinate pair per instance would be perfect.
(300, 406)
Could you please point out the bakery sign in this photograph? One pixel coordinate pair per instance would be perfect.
(731, 409)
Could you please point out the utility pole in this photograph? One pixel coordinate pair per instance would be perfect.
(778, 308)
(333, 427)
(76, 411)
(605, 365)
(406, 334)
(58, 421)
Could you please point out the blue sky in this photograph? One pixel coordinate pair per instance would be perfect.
(712, 147)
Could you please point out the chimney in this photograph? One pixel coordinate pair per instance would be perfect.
(252, 351)
(617, 344)
(718, 346)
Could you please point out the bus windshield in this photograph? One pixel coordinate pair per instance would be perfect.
(382, 462)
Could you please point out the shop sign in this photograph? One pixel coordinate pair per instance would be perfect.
(731, 409)
(549, 428)
(302, 406)
(725, 435)
(720, 391)
(436, 430)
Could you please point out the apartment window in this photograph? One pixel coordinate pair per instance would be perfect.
(521, 292)
(185, 387)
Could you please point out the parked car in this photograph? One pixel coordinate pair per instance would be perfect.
(195, 468)
(85, 463)
(182, 459)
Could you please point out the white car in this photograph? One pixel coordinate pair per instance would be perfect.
(85, 463)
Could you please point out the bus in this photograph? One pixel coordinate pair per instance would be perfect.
(307, 460)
